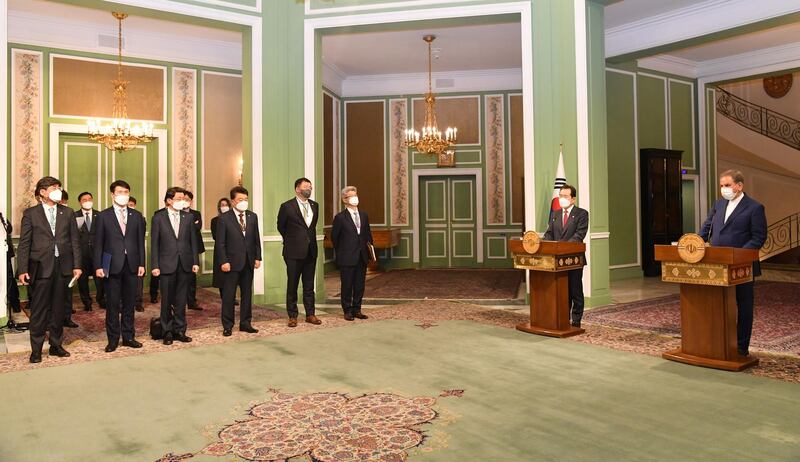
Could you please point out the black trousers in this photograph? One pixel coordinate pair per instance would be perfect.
(745, 294)
(174, 287)
(67, 302)
(83, 284)
(295, 270)
(139, 291)
(353, 280)
(120, 297)
(12, 291)
(47, 308)
(575, 295)
(244, 280)
(191, 298)
(153, 287)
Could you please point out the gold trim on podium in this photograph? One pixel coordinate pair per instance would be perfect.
(706, 274)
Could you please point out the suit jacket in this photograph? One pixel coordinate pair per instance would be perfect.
(577, 226)
(109, 238)
(198, 230)
(746, 228)
(216, 278)
(87, 234)
(348, 244)
(166, 250)
(36, 250)
(298, 239)
(234, 247)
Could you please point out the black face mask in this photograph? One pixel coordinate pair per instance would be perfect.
(305, 193)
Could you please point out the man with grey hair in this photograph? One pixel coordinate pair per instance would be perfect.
(737, 220)
(351, 238)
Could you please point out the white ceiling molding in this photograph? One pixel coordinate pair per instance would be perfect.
(417, 83)
(670, 65)
(72, 34)
(689, 22)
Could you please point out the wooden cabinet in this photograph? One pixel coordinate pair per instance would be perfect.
(661, 203)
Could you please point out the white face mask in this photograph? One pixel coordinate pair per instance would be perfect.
(224, 209)
(353, 201)
(564, 202)
(87, 205)
(727, 193)
(121, 199)
(241, 206)
(179, 205)
(54, 195)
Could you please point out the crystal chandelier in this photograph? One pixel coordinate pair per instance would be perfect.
(431, 140)
(119, 134)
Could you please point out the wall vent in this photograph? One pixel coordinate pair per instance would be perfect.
(445, 83)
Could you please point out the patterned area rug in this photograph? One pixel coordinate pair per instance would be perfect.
(464, 284)
(776, 325)
(92, 324)
(326, 427)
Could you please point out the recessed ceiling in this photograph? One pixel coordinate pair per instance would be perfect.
(628, 11)
(463, 48)
(769, 38)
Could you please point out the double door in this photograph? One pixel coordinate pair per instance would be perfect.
(448, 224)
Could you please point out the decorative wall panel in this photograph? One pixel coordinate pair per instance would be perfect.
(26, 131)
(495, 161)
(184, 131)
(398, 155)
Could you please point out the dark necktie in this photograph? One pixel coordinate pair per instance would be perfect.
(241, 223)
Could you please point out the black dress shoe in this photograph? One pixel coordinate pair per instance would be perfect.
(73, 311)
(168, 339)
(111, 347)
(132, 343)
(139, 308)
(360, 315)
(248, 329)
(195, 307)
(348, 317)
(59, 351)
(71, 324)
(743, 352)
(36, 357)
(226, 332)
(576, 324)
(183, 338)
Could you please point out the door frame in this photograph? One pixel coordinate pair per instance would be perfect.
(478, 173)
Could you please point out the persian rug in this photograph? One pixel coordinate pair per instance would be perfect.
(776, 324)
(464, 284)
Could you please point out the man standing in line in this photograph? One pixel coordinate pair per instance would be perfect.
(570, 225)
(201, 248)
(86, 217)
(119, 249)
(297, 223)
(238, 249)
(351, 236)
(173, 259)
(138, 303)
(68, 310)
(49, 253)
(738, 220)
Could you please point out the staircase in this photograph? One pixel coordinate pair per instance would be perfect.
(782, 236)
(759, 119)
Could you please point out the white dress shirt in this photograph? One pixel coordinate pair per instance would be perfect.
(732, 206)
(309, 217)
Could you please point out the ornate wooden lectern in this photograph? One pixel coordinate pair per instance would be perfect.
(708, 303)
(549, 262)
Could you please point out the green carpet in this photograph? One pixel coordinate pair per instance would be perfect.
(526, 398)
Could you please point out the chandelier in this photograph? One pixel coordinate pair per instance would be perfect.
(119, 134)
(432, 140)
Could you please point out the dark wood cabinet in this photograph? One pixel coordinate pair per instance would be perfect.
(661, 203)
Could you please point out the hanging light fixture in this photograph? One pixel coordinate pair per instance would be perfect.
(119, 134)
(432, 140)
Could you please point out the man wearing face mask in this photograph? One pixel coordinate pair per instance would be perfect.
(238, 252)
(571, 225)
(297, 223)
(223, 206)
(738, 220)
(68, 310)
(201, 248)
(86, 218)
(120, 238)
(351, 236)
(173, 259)
(49, 253)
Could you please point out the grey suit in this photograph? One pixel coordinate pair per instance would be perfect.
(575, 231)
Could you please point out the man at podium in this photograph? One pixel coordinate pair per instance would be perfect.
(570, 224)
(737, 220)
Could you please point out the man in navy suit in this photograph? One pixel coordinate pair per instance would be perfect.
(571, 225)
(737, 220)
(351, 236)
(120, 235)
(85, 218)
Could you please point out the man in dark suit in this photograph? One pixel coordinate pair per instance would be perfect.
(120, 237)
(68, 310)
(138, 302)
(223, 206)
(351, 237)
(12, 291)
(201, 248)
(737, 220)
(49, 253)
(297, 223)
(571, 225)
(86, 218)
(173, 258)
(238, 249)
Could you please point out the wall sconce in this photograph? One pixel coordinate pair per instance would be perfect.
(241, 169)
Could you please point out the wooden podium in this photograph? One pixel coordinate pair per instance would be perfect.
(708, 304)
(549, 297)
